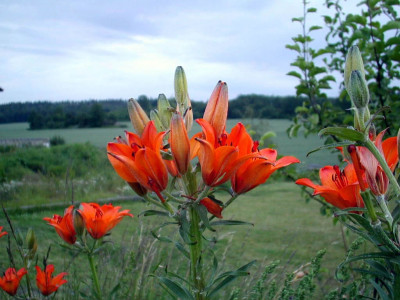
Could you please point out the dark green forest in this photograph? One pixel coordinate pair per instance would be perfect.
(101, 113)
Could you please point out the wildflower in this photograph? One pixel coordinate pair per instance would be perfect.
(99, 220)
(46, 283)
(180, 146)
(339, 188)
(64, 225)
(2, 233)
(212, 207)
(216, 111)
(10, 281)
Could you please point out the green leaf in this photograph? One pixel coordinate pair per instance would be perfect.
(380, 291)
(294, 130)
(295, 74)
(152, 212)
(230, 276)
(312, 10)
(202, 211)
(391, 25)
(230, 222)
(182, 249)
(315, 27)
(393, 41)
(176, 289)
(330, 146)
(343, 133)
(294, 47)
(297, 20)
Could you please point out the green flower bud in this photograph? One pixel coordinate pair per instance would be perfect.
(138, 116)
(156, 118)
(358, 90)
(79, 224)
(353, 62)
(182, 97)
(31, 243)
(181, 90)
(165, 111)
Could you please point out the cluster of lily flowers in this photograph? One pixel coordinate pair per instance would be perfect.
(95, 219)
(46, 283)
(342, 188)
(149, 159)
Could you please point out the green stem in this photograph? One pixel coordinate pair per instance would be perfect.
(203, 194)
(152, 201)
(95, 277)
(384, 238)
(382, 204)
(370, 207)
(195, 254)
(378, 155)
(28, 280)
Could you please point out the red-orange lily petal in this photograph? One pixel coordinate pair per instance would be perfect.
(216, 164)
(390, 151)
(216, 111)
(341, 189)
(64, 225)
(2, 233)
(212, 207)
(180, 145)
(99, 220)
(256, 171)
(46, 283)
(10, 281)
(119, 167)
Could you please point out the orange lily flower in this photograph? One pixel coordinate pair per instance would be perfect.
(339, 188)
(180, 146)
(99, 220)
(64, 225)
(212, 207)
(46, 283)
(216, 111)
(370, 171)
(138, 159)
(10, 281)
(2, 233)
(254, 172)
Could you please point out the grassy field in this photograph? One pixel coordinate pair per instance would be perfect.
(99, 137)
(285, 228)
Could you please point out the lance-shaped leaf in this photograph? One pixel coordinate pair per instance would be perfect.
(343, 133)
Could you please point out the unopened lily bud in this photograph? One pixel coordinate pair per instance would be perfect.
(31, 243)
(165, 111)
(79, 224)
(353, 62)
(372, 132)
(216, 111)
(181, 89)
(182, 97)
(180, 145)
(138, 116)
(358, 90)
(154, 116)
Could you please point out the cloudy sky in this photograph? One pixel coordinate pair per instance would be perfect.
(75, 50)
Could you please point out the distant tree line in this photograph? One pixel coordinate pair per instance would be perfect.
(96, 113)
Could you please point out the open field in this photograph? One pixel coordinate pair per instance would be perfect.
(285, 228)
(99, 137)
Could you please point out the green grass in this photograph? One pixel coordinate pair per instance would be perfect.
(285, 228)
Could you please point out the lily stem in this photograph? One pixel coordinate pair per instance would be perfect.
(95, 277)
(195, 254)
